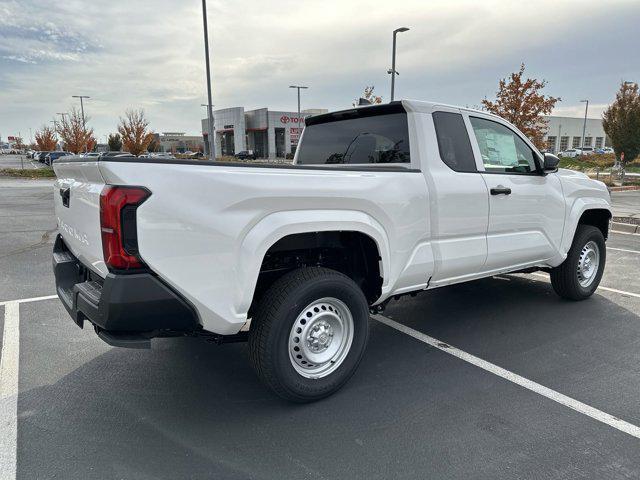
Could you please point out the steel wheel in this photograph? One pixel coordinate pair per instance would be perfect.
(321, 337)
(588, 264)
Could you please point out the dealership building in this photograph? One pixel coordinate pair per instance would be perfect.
(178, 142)
(566, 132)
(267, 133)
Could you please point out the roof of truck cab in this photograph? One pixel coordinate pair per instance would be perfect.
(397, 106)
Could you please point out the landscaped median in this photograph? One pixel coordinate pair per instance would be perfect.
(27, 172)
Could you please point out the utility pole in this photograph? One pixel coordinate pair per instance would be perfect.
(212, 145)
(298, 87)
(393, 72)
(584, 125)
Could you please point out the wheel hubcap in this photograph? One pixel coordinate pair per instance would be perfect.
(588, 264)
(321, 337)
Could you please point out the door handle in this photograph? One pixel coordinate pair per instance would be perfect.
(65, 193)
(500, 190)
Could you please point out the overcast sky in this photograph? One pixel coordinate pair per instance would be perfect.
(149, 54)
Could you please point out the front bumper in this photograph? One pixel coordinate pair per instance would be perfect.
(126, 309)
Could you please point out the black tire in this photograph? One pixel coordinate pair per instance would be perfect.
(280, 307)
(565, 279)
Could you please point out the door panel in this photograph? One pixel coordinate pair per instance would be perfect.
(526, 225)
(526, 208)
(459, 203)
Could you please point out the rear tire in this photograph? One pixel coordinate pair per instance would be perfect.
(309, 333)
(580, 274)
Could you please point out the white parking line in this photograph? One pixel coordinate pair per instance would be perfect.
(606, 289)
(28, 300)
(622, 250)
(9, 363)
(587, 410)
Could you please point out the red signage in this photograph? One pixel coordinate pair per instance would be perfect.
(11, 139)
(286, 119)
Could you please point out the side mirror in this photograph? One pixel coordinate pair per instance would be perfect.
(550, 163)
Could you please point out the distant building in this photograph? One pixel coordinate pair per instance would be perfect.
(566, 132)
(268, 133)
(178, 142)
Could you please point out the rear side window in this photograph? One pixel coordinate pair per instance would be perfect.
(361, 138)
(453, 142)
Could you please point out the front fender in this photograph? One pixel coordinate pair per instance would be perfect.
(273, 227)
(574, 214)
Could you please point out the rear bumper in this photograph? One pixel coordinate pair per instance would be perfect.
(126, 309)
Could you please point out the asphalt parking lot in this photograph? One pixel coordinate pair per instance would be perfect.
(19, 161)
(537, 388)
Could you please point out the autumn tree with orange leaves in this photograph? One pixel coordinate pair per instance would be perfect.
(46, 139)
(520, 102)
(134, 131)
(73, 132)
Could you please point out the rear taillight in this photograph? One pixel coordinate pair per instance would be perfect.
(118, 225)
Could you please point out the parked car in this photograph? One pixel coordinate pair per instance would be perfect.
(246, 154)
(381, 201)
(90, 155)
(571, 153)
(586, 150)
(53, 156)
(41, 156)
(604, 150)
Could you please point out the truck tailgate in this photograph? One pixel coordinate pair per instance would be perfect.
(77, 207)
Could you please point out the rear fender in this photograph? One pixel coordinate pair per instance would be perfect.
(278, 225)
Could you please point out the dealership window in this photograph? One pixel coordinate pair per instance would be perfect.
(372, 135)
(453, 142)
(599, 142)
(551, 144)
(564, 143)
(587, 141)
(576, 142)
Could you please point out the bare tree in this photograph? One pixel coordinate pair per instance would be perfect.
(136, 136)
(520, 102)
(369, 96)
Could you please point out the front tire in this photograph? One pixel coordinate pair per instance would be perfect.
(580, 274)
(309, 333)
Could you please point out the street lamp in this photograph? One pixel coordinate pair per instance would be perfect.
(584, 125)
(212, 151)
(392, 71)
(81, 97)
(298, 87)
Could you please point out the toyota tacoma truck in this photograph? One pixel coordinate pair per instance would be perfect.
(380, 201)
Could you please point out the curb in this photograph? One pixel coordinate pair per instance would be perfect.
(624, 189)
(625, 227)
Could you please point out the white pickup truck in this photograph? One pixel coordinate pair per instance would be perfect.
(380, 201)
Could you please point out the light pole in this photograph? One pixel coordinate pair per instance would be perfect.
(212, 151)
(393, 71)
(584, 125)
(209, 122)
(55, 129)
(298, 87)
(84, 122)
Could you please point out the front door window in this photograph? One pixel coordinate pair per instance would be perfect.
(502, 150)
